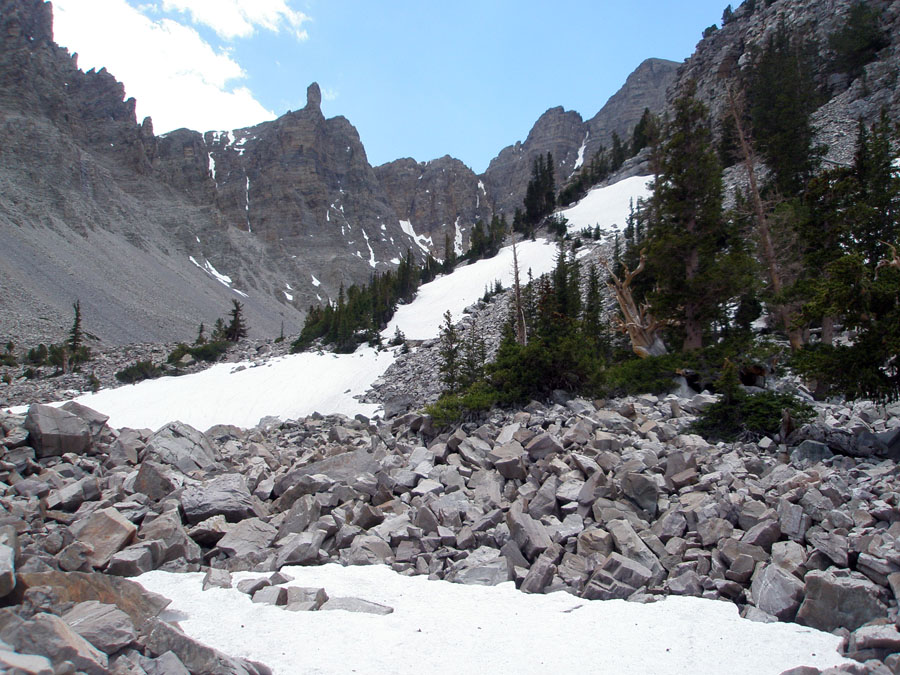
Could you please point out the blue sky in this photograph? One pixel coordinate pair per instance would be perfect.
(418, 79)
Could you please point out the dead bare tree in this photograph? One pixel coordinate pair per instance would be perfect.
(521, 336)
(637, 322)
(895, 258)
(767, 248)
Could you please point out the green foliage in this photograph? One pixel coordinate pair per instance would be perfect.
(646, 132)
(140, 370)
(93, 383)
(208, 351)
(37, 356)
(782, 98)
(749, 416)
(361, 311)
(653, 375)
(450, 408)
(540, 194)
(486, 242)
(450, 355)
(727, 16)
(858, 41)
(201, 335)
(696, 259)
(237, 327)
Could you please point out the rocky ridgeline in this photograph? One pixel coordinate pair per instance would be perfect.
(602, 500)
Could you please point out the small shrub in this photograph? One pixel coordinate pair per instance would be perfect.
(210, 352)
(30, 374)
(37, 356)
(140, 370)
(653, 375)
(93, 383)
(178, 353)
(749, 416)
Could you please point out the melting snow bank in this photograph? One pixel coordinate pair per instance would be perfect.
(608, 206)
(241, 393)
(440, 627)
(421, 319)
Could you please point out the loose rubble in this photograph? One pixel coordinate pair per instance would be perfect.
(605, 500)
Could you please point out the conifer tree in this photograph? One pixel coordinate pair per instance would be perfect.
(75, 334)
(450, 354)
(236, 328)
(687, 246)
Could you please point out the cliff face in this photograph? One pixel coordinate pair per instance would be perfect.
(155, 234)
(723, 56)
(439, 199)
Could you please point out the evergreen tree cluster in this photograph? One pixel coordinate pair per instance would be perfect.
(607, 161)
(540, 195)
(360, 312)
(485, 242)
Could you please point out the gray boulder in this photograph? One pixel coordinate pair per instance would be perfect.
(104, 626)
(839, 599)
(776, 591)
(225, 495)
(180, 445)
(54, 432)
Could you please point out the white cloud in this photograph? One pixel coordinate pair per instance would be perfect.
(329, 94)
(240, 18)
(177, 78)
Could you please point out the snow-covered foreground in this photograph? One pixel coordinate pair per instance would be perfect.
(421, 319)
(440, 627)
(607, 206)
(241, 393)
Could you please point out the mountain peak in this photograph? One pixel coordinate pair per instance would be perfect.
(313, 96)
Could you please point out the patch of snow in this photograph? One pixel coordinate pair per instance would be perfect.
(383, 227)
(395, 261)
(691, 636)
(288, 296)
(247, 206)
(421, 319)
(315, 282)
(580, 159)
(288, 286)
(288, 387)
(223, 279)
(458, 238)
(372, 262)
(607, 206)
(197, 238)
(212, 168)
(422, 241)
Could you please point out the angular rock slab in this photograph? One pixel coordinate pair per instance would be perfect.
(107, 532)
(129, 596)
(50, 636)
(225, 495)
(181, 446)
(55, 432)
(356, 605)
(106, 627)
(835, 600)
(777, 592)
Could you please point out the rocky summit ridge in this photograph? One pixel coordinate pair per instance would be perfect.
(155, 233)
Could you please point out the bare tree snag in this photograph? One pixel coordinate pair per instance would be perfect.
(895, 258)
(521, 337)
(762, 226)
(641, 327)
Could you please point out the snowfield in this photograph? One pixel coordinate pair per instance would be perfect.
(607, 206)
(242, 393)
(441, 627)
(421, 319)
